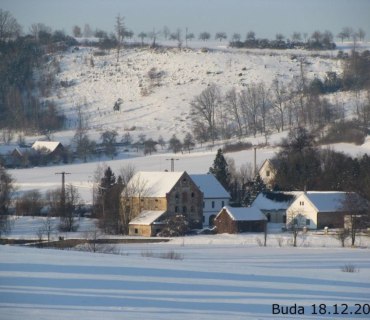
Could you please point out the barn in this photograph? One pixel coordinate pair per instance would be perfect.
(238, 220)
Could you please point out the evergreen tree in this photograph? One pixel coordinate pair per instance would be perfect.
(108, 200)
(253, 189)
(220, 170)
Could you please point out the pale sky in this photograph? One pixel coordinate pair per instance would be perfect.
(265, 17)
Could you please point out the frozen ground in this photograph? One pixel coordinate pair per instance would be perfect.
(211, 280)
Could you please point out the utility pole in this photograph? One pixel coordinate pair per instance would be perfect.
(172, 163)
(63, 195)
(255, 161)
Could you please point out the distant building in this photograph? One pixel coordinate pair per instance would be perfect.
(267, 172)
(49, 147)
(317, 209)
(215, 197)
(237, 220)
(275, 204)
(151, 197)
(147, 223)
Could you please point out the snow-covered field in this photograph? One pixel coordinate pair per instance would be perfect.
(214, 278)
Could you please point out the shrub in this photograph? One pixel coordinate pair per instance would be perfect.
(239, 146)
(349, 268)
(344, 132)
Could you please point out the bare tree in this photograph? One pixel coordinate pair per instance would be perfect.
(361, 34)
(6, 190)
(251, 35)
(47, 228)
(77, 31)
(250, 106)
(204, 36)
(221, 36)
(142, 36)
(357, 214)
(29, 204)
(166, 32)
(204, 108)
(296, 37)
(342, 235)
(295, 222)
(109, 141)
(131, 196)
(36, 28)
(9, 27)
(233, 107)
(96, 244)
(236, 37)
(88, 31)
(120, 33)
(279, 101)
(68, 220)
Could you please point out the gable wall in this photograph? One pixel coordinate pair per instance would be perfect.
(302, 209)
(186, 198)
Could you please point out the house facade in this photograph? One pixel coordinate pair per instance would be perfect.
(317, 210)
(274, 205)
(267, 172)
(237, 220)
(170, 193)
(147, 224)
(215, 197)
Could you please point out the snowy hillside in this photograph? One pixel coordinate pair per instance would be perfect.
(162, 107)
(96, 82)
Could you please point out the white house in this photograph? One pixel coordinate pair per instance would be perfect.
(215, 197)
(317, 210)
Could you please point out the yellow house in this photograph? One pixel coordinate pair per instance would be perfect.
(154, 196)
(267, 172)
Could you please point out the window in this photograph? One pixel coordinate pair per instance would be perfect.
(184, 196)
(301, 203)
(192, 209)
(213, 204)
(184, 209)
(307, 222)
(267, 173)
(222, 204)
(136, 231)
(204, 204)
(268, 216)
(176, 209)
(192, 195)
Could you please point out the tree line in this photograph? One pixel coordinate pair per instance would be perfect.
(258, 108)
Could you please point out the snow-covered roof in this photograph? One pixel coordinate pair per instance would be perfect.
(147, 217)
(48, 145)
(210, 186)
(275, 200)
(153, 184)
(326, 201)
(245, 214)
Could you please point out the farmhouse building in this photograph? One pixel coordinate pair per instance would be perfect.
(154, 196)
(237, 220)
(267, 172)
(317, 210)
(52, 149)
(215, 197)
(274, 204)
